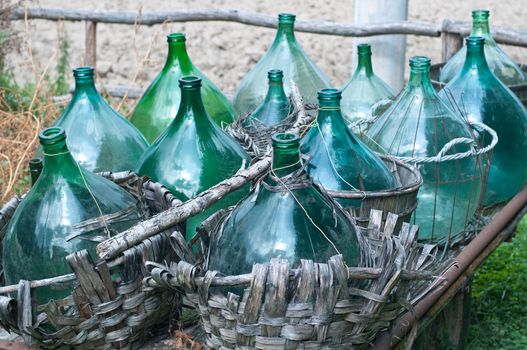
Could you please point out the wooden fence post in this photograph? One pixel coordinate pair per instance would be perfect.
(452, 42)
(90, 53)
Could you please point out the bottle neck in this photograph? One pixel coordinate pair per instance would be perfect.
(475, 59)
(276, 91)
(191, 106)
(286, 160)
(482, 28)
(35, 168)
(178, 56)
(420, 79)
(286, 32)
(364, 65)
(85, 85)
(56, 158)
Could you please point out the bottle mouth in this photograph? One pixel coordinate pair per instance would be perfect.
(364, 49)
(176, 38)
(329, 94)
(285, 140)
(275, 75)
(35, 162)
(420, 63)
(475, 41)
(83, 72)
(480, 15)
(52, 135)
(286, 18)
(190, 82)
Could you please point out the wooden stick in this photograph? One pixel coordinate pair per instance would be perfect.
(230, 15)
(162, 221)
(90, 53)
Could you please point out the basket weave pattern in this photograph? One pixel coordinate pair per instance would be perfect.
(108, 307)
(314, 306)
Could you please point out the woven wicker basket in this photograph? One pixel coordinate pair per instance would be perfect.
(401, 201)
(103, 311)
(519, 89)
(312, 306)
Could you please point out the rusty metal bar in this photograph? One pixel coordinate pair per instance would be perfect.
(470, 258)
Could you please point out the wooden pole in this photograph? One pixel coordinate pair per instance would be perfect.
(90, 53)
(452, 41)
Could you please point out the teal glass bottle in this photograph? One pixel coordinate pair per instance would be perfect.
(159, 104)
(193, 154)
(287, 55)
(99, 138)
(48, 224)
(286, 217)
(275, 107)
(499, 62)
(365, 97)
(338, 159)
(419, 124)
(486, 99)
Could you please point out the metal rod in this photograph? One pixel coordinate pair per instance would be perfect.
(467, 261)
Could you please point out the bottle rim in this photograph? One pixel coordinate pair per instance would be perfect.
(364, 49)
(285, 140)
(52, 135)
(480, 15)
(275, 75)
(84, 71)
(286, 18)
(37, 161)
(329, 94)
(422, 62)
(176, 38)
(190, 82)
(475, 41)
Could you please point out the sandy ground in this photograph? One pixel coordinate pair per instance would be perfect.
(225, 51)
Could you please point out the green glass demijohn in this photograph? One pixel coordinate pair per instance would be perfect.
(287, 55)
(365, 96)
(499, 62)
(99, 138)
(275, 108)
(338, 160)
(159, 104)
(484, 98)
(419, 124)
(50, 223)
(193, 154)
(285, 217)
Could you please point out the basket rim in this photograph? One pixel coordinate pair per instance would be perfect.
(413, 187)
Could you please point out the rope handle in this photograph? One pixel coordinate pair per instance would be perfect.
(474, 151)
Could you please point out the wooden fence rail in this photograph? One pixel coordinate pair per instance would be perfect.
(451, 32)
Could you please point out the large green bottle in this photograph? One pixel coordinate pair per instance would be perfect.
(46, 226)
(418, 124)
(159, 104)
(499, 62)
(486, 99)
(338, 159)
(193, 154)
(284, 218)
(275, 108)
(365, 96)
(285, 54)
(99, 138)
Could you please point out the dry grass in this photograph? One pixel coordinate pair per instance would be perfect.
(25, 111)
